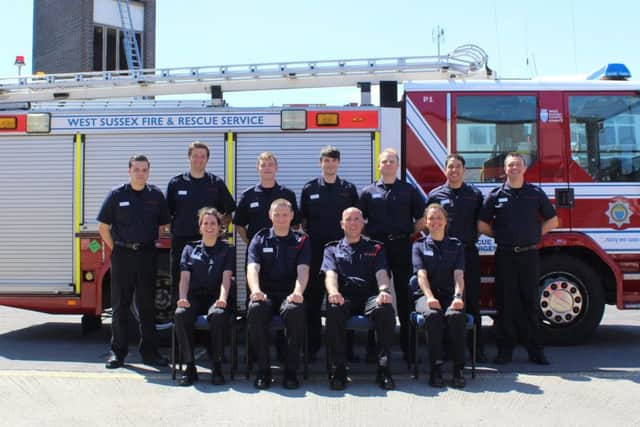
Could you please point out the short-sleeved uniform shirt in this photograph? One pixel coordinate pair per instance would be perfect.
(440, 259)
(186, 195)
(206, 265)
(356, 265)
(517, 214)
(322, 204)
(134, 216)
(391, 208)
(279, 258)
(254, 203)
(463, 208)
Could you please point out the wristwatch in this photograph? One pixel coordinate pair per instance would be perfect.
(457, 296)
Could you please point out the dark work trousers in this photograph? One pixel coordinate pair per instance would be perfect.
(444, 327)
(472, 294)
(517, 277)
(185, 318)
(177, 246)
(259, 317)
(337, 316)
(398, 252)
(313, 297)
(133, 272)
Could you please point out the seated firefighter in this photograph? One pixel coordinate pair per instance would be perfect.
(206, 270)
(277, 275)
(357, 283)
(438, 261)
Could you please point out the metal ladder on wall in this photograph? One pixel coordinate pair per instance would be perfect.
(131, 48)
(465, 62)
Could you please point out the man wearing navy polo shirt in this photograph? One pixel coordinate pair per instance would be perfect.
(186, 194)
(277, 275)
(129, 222)
(517, 214)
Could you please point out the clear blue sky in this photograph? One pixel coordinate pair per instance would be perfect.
(558, 36)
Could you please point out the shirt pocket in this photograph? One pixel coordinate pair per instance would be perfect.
(123, 214)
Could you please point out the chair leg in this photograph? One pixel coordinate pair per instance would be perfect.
(232, 363)
(247, 352)
(173, 351)
(416, 365)
(305, 354)
(473, 352)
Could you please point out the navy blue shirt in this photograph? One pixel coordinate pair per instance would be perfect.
(463, 207)
(322, 204)
(517, 214)
(253, 207)
(279, 258)
(134, 216)
(356, 265)
(440, 259)
(186, 195)
(206, 265)
(391, 208)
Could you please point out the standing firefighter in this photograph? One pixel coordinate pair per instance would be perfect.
(517, 214)
(129, 223)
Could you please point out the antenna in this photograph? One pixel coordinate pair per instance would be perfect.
(437, 36)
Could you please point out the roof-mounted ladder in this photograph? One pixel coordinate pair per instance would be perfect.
(131, 48)
(465, 62)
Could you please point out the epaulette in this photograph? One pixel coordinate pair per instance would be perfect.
(331, 243)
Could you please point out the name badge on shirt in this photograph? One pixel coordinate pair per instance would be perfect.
(254, 204)
(428, 253)
(124, 203)
(267, 250)
(182, 192)
(503, 199)
(314, 196)
(376, 196)
(445, 202)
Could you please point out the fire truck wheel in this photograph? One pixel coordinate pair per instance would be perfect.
(90, 323)
(571, 300)
(164, 313)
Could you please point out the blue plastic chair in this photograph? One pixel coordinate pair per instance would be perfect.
(417, 322)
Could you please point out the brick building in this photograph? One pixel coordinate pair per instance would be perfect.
(86, 35)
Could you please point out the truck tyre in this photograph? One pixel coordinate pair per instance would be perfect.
(90, 323)
(571, 300)
(164, 312)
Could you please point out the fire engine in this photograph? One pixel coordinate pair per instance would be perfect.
(65, 140)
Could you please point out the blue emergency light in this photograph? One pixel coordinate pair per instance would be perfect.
(611, 72)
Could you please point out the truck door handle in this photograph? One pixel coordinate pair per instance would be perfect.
(565, 198)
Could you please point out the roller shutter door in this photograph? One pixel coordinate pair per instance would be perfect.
(36, 218)
(298, 162)
(106, 158)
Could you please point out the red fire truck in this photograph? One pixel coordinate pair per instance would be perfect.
(65, 140)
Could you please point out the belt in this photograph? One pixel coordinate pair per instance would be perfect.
(135, 246)
(389, 237)
(517, 249)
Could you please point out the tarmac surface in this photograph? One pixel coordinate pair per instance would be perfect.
(51, 374)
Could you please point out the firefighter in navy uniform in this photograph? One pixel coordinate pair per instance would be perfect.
(357, 283)
(206, 270)
(277, 275)
(393, 210)
(322, 202)
(463, 202)
(129, 222)
(252, 214)
(517, 214)
(186, 194)
(438, 261)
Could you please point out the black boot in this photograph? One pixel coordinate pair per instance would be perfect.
(338, 380)
(384, 379)
(263, 380)
(290, 380)
(216, 375)
(435, 376)
(458, 378)
(189, 376)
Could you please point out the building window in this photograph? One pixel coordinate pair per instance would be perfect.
(109, 48)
